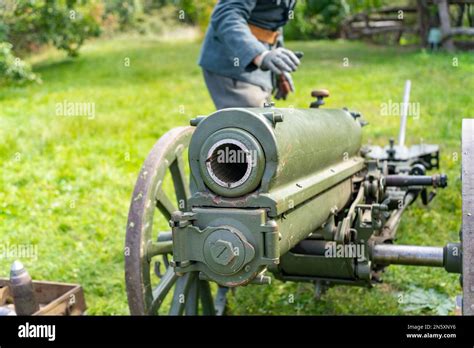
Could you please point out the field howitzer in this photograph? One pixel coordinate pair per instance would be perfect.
(290, 192)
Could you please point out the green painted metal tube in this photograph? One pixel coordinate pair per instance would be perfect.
(299, 223)
(310, 140)
(292, 144)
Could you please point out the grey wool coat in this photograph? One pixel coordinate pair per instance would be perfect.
(229, 47)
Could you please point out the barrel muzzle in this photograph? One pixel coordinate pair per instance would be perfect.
(232, 162)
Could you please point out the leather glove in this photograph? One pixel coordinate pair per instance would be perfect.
(279, 60)
(284, 86)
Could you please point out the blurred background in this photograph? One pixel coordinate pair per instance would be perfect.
(28, 26)
(131, 65)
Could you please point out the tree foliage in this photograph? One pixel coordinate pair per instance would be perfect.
(12, 68)
(316, 19)
(322, 19)
(29, 24)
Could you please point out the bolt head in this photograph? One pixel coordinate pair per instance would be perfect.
(222, 252)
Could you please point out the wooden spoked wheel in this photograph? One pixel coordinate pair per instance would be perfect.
(150, 280)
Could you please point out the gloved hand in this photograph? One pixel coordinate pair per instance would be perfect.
(279, 60)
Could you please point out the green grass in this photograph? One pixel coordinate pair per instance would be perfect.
(66, 182)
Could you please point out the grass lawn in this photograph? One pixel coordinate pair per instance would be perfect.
(66, 182)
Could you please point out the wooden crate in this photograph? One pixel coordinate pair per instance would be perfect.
(54, 298)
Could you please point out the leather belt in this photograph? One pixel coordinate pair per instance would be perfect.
(264, 35)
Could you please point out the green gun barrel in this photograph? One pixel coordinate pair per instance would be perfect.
(283, 145)
(262, 179)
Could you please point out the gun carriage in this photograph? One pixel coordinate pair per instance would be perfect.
(290, 192)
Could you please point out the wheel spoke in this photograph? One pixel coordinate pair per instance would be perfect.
(166, 262)
(180, 182)
(193, 295)
(221, 300)
(162, 289)
(206, 298)
(164, 204)
(180, 293)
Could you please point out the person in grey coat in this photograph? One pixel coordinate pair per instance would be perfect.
(242, 56)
